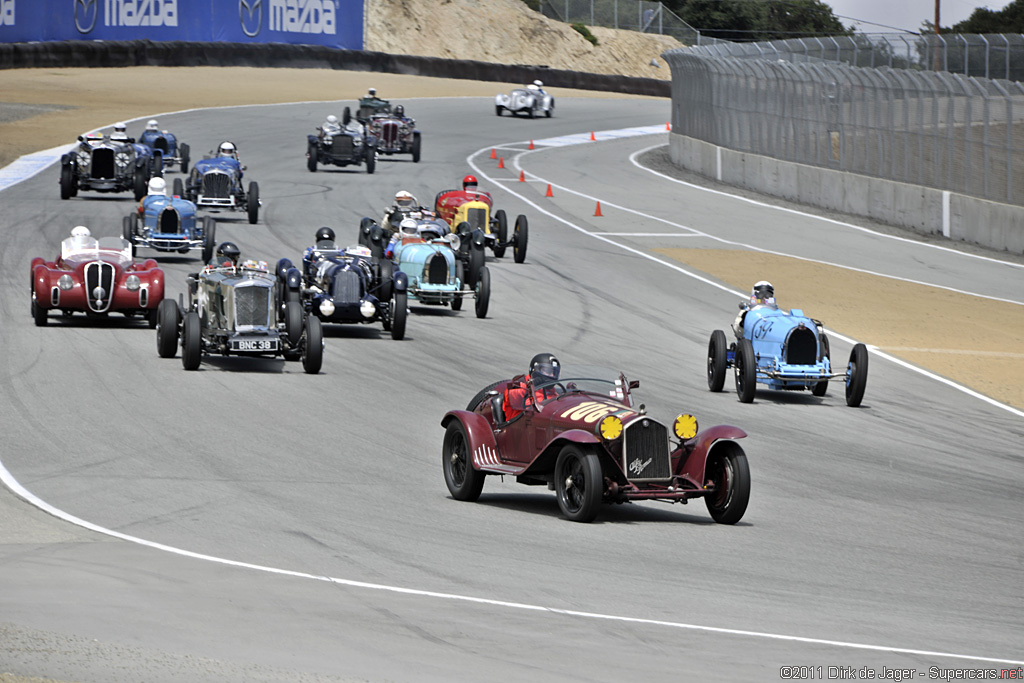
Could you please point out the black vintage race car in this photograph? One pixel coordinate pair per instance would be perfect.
(103, 163)
(348, 144)
(347, 285)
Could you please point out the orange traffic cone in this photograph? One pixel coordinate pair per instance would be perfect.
(531, 144)
(598, 212)
(548, 193)
(668, 126)
(522, 177)
(494, 153)
(501, 162)
(592, 135)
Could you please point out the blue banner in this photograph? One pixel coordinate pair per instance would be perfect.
(334, 23)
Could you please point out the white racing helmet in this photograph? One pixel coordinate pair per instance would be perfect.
(157, 186)
(332, 120)
(227, 149)
(408, 226)
(405, 200)
(152, 125)
(762, 291)
(120, 131)
(80, 231)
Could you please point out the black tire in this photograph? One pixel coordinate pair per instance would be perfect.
(399, 314)
(209, 237)
(313, 345)
(191, 342)
(67, 181)
(746, 371)
(371, 160)
(728, 469)
(501, 233)
(183, 152)
(346, 116)
(364, 230)
(476, 264)
(531, 113)
(168, 317)
(253, 202)
(293, 322)
(178, 188)
(857, 375)
(497, 109)
(387, 280)
(482, 394)
(464, 482)
(717, 361)
(821, 387)
(520, 238)
(579, 483)
(416, 148)
(141, 183)
(460, 275)
(311, 158)
(483, 293)
(39, 314)
(128, 230)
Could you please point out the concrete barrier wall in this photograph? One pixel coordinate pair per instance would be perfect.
(921, 209)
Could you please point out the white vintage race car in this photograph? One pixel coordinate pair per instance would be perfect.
(531, 100)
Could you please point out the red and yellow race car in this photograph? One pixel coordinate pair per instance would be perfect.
(96, 277)
(580, 432)
(473, 207)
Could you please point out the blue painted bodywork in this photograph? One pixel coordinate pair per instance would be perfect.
(163, 232)
(414, 257)
(787, 347)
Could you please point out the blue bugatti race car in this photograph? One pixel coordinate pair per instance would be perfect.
(216, 183)
(169, 224)
(166, 145)
(781, 350)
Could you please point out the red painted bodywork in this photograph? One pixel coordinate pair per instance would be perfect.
(45, 275)
(528, 446)
(448, 202)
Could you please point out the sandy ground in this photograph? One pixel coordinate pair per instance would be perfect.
(983, 350)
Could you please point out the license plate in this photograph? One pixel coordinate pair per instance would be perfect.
(258, 345)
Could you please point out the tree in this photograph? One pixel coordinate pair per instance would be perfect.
(746, 20)
(1010, 19)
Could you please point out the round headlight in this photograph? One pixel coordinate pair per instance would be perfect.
(65, 282)
(455, 241)
(367, 309)
(356, 142)
(132, 282)
(685, 426)
(327, 307)
(610, 428)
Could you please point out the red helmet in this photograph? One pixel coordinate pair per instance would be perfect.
(469, 182)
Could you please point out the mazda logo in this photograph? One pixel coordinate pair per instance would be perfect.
(250, 14)
(86, 13)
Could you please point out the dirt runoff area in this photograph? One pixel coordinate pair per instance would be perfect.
(44, 108)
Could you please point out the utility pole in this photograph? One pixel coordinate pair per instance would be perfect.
(935, 61)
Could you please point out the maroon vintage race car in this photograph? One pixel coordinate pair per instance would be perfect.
(582, 436)
(96, 277)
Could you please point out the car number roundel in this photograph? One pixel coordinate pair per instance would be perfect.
(589, 411)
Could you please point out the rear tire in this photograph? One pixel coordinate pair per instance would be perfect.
(579, 483)
(313, 347)
(183, 151)
(746, 371)
(253, 200)
(191, 342)
(387, 280)
(483, 293)
(476, 264)
(168, 317)
(141, 183)
(717, 361)
(293, 322)
(857, 375)
(520, 238)
(464, 482)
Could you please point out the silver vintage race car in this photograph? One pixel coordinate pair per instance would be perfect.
(531, 101)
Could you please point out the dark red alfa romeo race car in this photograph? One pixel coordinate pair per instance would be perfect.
(583, 436)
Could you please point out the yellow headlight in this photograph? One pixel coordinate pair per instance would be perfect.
(685, 426)
(610, 428)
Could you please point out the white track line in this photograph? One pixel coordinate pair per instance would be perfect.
(875, 350)
(17, 488)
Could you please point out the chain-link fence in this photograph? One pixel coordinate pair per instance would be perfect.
(632, 15)
(935, 129)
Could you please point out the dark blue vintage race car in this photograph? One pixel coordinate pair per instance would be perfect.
(169, 224)
(108, 163)
(216, 183)
(782, 350)
(166, 145)
(347, 285)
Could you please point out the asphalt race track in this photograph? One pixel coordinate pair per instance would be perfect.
(298, 528)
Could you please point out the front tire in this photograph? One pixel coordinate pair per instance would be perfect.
(857, 375)
(399, 314)
(183, 150)
(821, 387)
(311, 158)
(416, 148)
(729, 471)
(579, 483)
(483, 293)
(168, 317)
(178, 187)
(464, 482)
(253, 200)
(67, 181)
(191, 342)
(476, 264)
(371, 160)
(39, 314)
(209, 237)
(717, 361)
(128, 231)
(460, 276)
(502, 236)
(746, 371)
(520, 238)
(313, 348)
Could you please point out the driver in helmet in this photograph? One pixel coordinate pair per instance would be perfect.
(331, 125)
(540, 86)
(544, 371)
(227, 150)
(156, 193)
(399, 111)
(152, 125)
(405, 204)
(408, 228)
(120, 133)
(761, 294)
(226, 256)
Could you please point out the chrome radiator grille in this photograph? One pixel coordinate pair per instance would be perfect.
(342, 145)
(252, 306)
(645, 451)
(217, 185)
(437, 269)
(347, 287)
(103, 163)
(99, 285)
(477, 218)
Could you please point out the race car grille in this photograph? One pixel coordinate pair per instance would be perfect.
(477, 218)
(169, 221)
(103, 163)
(161, 144)
(645, 454)
(252, 306)
(217, 185)
(99, 285)
(342, 146)
(347, 287)
(389, 133)
(802, 347)
(437, 269)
